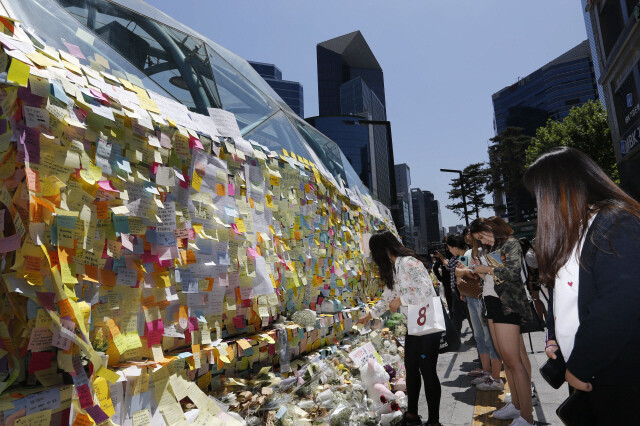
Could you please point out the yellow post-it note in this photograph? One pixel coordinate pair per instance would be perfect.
(108, 374)
(18, 72)
(42, 418)
(101, 388)
(141, 418)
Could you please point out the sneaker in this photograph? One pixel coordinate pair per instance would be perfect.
(480, 379)
(491, 385)
(509, 411)
(414, 421)
(520, 421)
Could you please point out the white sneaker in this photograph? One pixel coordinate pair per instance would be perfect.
(520, 421)
(509, 411)
(491, 385)
(480, 379)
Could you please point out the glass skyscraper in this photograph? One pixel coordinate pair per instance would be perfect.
(351, 93)
(290, 91)
(549, 92)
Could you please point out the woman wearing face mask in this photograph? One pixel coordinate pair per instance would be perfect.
(587, 246)
(507, 308)
(407, 282)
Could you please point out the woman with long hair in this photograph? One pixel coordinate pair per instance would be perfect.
(507, 308)
(587, 246)
(407, 282)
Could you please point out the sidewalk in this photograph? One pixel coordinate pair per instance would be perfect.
(459, 400)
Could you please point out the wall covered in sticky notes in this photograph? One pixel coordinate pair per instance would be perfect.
(139, 236)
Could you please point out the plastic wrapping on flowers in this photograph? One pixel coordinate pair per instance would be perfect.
(323, 387)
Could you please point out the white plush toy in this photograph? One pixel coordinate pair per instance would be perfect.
(376, 381)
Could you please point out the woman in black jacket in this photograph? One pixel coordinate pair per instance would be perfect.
(588, 242)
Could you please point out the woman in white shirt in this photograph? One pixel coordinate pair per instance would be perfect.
(588, 240)
(407, 282)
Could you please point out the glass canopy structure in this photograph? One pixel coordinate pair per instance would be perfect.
(146, 46)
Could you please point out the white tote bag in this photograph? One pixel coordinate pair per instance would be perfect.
(427, 319)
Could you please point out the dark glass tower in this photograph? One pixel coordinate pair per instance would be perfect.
(351, 93)
(549, 92)
(290, 91)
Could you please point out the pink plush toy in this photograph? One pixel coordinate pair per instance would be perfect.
(376, 381)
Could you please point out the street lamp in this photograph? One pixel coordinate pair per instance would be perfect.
(464, 198)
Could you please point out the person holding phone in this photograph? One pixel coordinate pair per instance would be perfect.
(588, 240)
(507, 308)
(407, 282)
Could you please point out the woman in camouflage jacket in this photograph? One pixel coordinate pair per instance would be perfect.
(507, 308)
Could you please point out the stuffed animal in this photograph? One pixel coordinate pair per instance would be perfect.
(375, 379)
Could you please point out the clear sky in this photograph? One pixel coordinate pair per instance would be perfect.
(442, 61)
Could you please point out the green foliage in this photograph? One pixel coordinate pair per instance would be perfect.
(475, 179)
(585, 128)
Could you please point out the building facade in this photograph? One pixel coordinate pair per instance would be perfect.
(405, 204)
(617, 36)
(290, 91)
(434, 217)
(593, 48)
(351, 93)
(547, 93)
(427, 218)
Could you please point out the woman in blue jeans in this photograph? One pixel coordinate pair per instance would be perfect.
(489, 378)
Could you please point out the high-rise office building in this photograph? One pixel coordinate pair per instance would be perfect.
(616, 31)
(290, 91)
(549, 92)
(405, 204)
(434, 217)
(427, 218)
(353, 112)
(593, 48)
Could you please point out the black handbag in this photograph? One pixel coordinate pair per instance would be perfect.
(449, 339)
(553, 371)
(577, 410)
(534, 324)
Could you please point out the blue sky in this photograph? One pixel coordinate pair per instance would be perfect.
(442, 61)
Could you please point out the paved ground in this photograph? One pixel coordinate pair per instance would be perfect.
(461, 406)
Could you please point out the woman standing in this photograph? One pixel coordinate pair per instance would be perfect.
(588, 240)
(407, 282)
(507, 308)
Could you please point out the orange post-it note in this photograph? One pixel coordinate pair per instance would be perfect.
(220, 190)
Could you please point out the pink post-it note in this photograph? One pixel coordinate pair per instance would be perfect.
(84, 395)
(40, 361)
(238, 322)
(193, 324)
(235, 229)
(47, 300)
(74, 50)
(231, 190)
(107, 185)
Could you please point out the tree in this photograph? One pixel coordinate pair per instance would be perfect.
(507, 155)
(474, 178)
(585, 128)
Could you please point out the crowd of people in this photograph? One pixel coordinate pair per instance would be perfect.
(588, 232)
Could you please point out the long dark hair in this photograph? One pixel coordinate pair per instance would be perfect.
(383, 243)
(569, 188)
(495, 225)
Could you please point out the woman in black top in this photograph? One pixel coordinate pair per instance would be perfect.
(596, 320)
